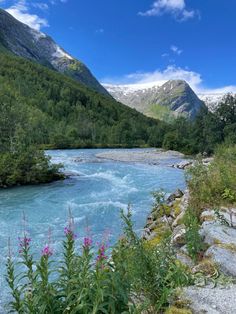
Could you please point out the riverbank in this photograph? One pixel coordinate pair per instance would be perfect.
(202, 230)
(148, 156)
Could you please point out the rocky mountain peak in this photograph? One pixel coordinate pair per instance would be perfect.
(29, 43)
(175, 95)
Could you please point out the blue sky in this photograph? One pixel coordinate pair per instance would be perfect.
(130, 41)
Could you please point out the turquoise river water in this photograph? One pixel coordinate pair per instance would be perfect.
(95, 193)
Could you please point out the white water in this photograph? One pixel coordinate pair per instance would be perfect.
(95, 197)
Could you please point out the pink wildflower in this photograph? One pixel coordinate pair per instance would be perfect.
(69, 232)
(101, 253)
(24, 243)
(87, 242)
(47, 251)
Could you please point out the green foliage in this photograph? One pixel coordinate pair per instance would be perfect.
(28, 166)
(193, 239)
(55, 111)
(206, 131)
(135, 277)
(162, 113)
(214, 185)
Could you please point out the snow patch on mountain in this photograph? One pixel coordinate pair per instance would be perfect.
(59, 53)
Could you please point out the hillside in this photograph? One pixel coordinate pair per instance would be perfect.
(174, 95)
(29, 43)
(52, 109)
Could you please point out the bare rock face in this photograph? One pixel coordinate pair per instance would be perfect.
(176, 95)
(23, 41)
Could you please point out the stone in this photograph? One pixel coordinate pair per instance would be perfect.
(184, 259)
(216, 233)
(178, 219)
(177, 194)
(218, 300)
(224, 257)
(178, 235)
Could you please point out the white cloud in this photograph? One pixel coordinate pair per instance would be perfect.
(172, 72)
(176, 50)
(40, 5)
(21, 12)
(176, 8)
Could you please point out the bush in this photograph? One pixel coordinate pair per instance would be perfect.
(28, 166)
(214, 185)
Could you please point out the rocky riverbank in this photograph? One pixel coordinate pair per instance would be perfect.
(215, 289)
(149, 156)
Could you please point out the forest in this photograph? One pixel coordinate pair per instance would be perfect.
(42, 109)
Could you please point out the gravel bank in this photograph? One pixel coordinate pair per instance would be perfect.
(144, 156)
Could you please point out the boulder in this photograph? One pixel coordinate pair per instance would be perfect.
(216, 233)
(224, 257)
(185, 259)
(177, 194)
(218, 300)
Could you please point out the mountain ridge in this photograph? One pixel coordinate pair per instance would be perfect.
(176, 95)
(21, 40)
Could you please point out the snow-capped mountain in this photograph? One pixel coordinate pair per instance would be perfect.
(211, 99)
(26, 42)
(176, 95)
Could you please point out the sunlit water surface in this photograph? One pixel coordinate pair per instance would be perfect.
(95, 193)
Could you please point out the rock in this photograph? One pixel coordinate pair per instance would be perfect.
(184, 259)
(182, 165)
(219, 300)
(207, 215)
(177, 194)
(178, 235)
(178, 219)
(216, 233)
(183, 207)
(229, 215)
(153, 226)
(224, 257)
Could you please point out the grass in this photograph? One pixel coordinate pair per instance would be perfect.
(214, 185)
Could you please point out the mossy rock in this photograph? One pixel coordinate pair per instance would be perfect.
(177, 208)
(161, 231)
(176, 310)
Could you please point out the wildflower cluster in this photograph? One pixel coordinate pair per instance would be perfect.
(93, 281)
(24, 243)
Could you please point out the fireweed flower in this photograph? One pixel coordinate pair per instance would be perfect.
(47, 251)
(69, 232)
(24, 243)
(101, 257)
(87, 242)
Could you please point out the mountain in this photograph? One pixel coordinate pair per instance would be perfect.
(48, 108)
(176, 95)
(26, 42)
(212, 100)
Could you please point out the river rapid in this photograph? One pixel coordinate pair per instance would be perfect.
(95, 192)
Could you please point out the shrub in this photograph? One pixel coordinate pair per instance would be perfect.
(214, 185)
(193, 239)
